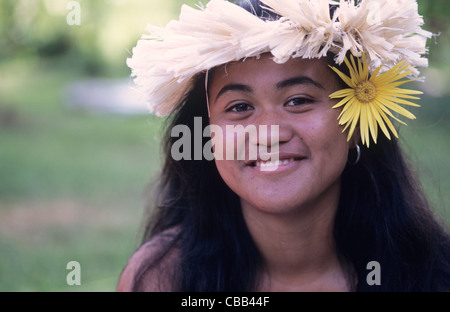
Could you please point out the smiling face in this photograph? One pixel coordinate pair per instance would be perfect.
(312, 148)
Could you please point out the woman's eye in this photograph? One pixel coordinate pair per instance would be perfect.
(299, 101)
(238, 108)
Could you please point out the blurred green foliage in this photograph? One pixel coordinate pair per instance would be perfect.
(99, 45)
(71, 181)
(110, 28)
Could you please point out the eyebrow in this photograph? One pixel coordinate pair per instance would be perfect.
(298, 80)
(281, 85)
(234, 87)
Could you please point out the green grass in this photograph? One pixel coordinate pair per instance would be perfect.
(426, 145)
(425, 142)
(72, 182)
(48, 150)
(38, 262)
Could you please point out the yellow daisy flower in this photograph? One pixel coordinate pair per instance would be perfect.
(371, 100)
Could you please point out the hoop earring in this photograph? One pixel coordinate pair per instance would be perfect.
(358, 155)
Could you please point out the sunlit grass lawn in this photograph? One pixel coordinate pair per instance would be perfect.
(71, 182)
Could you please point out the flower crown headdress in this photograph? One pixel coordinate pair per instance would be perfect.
(385, 36)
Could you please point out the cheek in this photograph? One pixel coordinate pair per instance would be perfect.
(329, 142)
(226, 154)
(228, 142)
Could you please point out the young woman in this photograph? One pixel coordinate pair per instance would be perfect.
(337, 198)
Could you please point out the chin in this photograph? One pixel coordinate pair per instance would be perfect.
(273, 205)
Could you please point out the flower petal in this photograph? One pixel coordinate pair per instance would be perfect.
(354, 122)
(344, 77)
(342, 93)
(348, 112)
(399, 100)
(342, 102)
(387, 121)
(372, 122)
(379, 120)
(364, 127)
(398, 109)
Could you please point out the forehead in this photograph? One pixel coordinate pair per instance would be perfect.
(265, 70)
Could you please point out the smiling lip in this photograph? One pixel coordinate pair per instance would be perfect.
(283, 160)
(271, 163)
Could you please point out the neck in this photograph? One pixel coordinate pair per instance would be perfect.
(298, 247)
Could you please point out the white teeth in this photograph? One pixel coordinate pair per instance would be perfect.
(273, 163)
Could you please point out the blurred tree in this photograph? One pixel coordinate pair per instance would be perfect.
(39, 28)
(435, 12)
(111, 27)
(436, 15)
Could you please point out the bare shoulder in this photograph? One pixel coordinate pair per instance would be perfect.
(160, 276)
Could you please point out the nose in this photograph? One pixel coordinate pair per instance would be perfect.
(273, 129)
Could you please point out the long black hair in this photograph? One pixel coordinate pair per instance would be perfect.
(382, 216)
